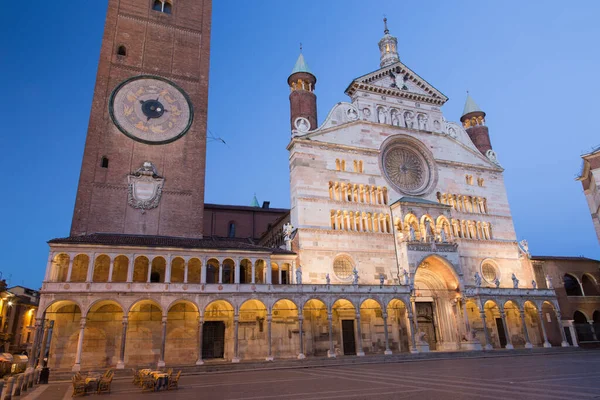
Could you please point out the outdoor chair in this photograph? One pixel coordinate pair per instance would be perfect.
(174, 382)
(105, 382)
(137, 380)
(147, 383)
(78, 386)
(170, 372)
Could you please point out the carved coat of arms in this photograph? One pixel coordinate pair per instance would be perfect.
(145, 187)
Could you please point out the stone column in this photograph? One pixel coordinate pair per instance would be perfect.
(149, 270)
(541, 315)
(253, 279)
(130, 267)
(270, 354)
(466, 317)
(269, 269)
(1, 387)
(387, 352)
(359, 346)
(17, 391)
(279, 274)
(161, 361)
(91, 266)
(110, 269)
(301, 355)
(413, 309)
(236, 320)
(331, 351)
(169, 261)
(528, 344)
(185, 271)
(77, 365)
(9, 388)
(121, 362)
(26, 377)
(34, 345)
(593, 330)
(411, 332)
(203, 272)
(199, 361)
(509, 345)
(70, 270)
(43, 345)
(488, 340)
(236, 276)
(564, 342)
(220, 272)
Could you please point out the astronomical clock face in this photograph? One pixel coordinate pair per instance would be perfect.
(151, 110)
(409, 169)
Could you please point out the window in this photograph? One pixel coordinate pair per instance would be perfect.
(488, 270)
(342, 268)
(104, 162)
(122, 51)
(231, 230)
(163, 6)
(572, 286)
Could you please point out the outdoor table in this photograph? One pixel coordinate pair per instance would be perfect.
(162, 380)
(91, 382)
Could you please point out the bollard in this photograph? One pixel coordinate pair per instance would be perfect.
(9, 388)
(30, 385)
(17, 391)
(25, 382)
(1, 387)
(36, 375)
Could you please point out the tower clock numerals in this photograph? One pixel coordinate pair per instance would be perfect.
(151, 110)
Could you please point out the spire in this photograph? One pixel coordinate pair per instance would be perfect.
(254, 202)
(301, 65)
(470, 106)
(388, 47)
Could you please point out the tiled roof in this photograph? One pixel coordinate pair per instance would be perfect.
(244, 208)
(206, 243)
(565, 258)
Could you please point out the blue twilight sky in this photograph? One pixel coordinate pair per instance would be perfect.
(531, 65)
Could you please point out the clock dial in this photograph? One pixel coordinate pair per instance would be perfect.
(151, 110)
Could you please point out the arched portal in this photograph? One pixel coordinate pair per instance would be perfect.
(285, 336)
(144, 333)
(371, 323)
(589, 285)
(436, 288)
(514, 324)
(316, 328)
(398, 322)
(103, 334)
(181, 346)
(532, 320)
(495, 325)
(552, 324)
(252, 332)
(344, 327)
(217, 330)
(582, 327)
(64, 319)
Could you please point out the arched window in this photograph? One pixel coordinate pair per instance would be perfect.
(163, 6)
(104, 162)
(122, 51)
(589, 286)
(231, 229)
(572, 286)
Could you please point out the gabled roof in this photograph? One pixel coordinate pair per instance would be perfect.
(418, 89)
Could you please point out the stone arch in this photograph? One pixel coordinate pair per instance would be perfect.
(101, 268)
(60, 267)
(141, 266)
(120, 269)
(589, 285)
(553, 325)
(448, 272)
(144, 332)
(371, 317)
(427, 227)
(79, 271)
(158, 272)
(245, 271)
(285, 328)
(194, 270)
(64, 317)
(228, 266)
(181, 345)
(212, 270)
(492, 315)
(399, 325)
(343, 309)
(103, 334)
(533, 322)
(443, 225)
(512, 312)
(315, 326)
(411, 221)
(285, 301)
(177, 270)
(572, 285)
(252, 337)
(260, 268)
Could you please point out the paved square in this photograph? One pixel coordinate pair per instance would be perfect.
(561, 376)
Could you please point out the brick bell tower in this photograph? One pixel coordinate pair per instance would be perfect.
(144, 160)
(473, 120)
(303, 101)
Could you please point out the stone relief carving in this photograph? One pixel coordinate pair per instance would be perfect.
(366, 113)
(422, 121)
(395, 118)
(409, 119)
(491, 155)
(352, 114)
(437, 126)
(515, 281)
(381, 116)
(302, 124)
(145, 187)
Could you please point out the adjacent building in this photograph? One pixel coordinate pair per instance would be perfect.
(590, 180)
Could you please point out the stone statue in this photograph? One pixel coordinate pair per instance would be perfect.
(524, 246)
(299, 275)
(352, 114)
(381, 279)
(497, 283)
(422, 121)
(515, 281)
(287, 231)
(549, 282)
(406, 277)
(395, 120)
(534, 284)
(327, 279)
(428, 231)
(412, 235)
(477, 279)
(355, 280)
(381, 116)
(443, 235)
(366, 113)
(408, 120)
(421, 337)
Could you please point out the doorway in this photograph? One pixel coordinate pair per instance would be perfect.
(348, 337)
(426, 323)
(213, 339)
(501, 333)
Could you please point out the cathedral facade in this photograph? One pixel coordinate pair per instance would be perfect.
(399, 237)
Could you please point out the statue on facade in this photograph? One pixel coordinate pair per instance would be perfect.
(381, 280)
(443, 236)
(381, 116)
(524, 246)
(534, 284)
(287, 235)
(355, 280)
(412, 235)
(299, 275)
(428, 231)
(477, 279)
(515, 281)
(406, 277)
(497, 283)
(421, 337)
(327, 279)
(395, 120)
(549, 282)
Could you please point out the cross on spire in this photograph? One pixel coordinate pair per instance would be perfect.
(300, 47)
(385, 28)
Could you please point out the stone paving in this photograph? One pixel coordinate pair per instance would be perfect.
(559, 376)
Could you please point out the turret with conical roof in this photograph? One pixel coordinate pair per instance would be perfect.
(473, 120)
(303, 101)
(388, 47)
